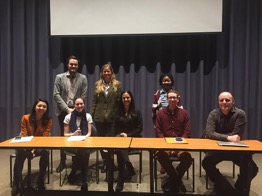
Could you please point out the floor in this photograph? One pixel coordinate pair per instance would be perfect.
(133, 187)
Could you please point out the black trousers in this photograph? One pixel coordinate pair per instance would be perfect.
(248, 168)
(61, 118)
(103, 130)
(21, 155)
(81, 160)
(175, 173)
(122, 159)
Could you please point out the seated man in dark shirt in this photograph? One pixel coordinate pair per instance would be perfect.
(228, 123)
(173, 121)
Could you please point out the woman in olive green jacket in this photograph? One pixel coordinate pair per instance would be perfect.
(105, 100)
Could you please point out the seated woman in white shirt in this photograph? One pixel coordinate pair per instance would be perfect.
(79, 123)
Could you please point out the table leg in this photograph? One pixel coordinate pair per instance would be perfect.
(248, 173)
(151, 172)
(110, 170)
(20, 177)
(28, 172)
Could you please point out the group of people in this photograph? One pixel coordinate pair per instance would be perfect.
(225, 123)
(113, 113)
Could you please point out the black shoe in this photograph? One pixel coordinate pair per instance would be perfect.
(71, 179)
(39, 188)
(15, 191)
(182, 187)
(223, 187)
(104, 169)
(119, 186)
(60, 167)
(130, 169)
(174, 190)
(84, 187)
(170, 185)
(171, 189)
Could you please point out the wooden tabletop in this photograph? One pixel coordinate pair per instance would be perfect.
(60, 142)
(193, 144)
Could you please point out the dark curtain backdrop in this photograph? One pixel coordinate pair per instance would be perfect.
(203, 64)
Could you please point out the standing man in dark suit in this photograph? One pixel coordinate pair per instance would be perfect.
(68, 86)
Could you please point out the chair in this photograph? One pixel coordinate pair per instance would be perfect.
(200, 169)
(175, 159)
(12, 156)
(91, 167)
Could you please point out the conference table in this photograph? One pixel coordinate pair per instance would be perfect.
(192, 144)
(149, 144)
(108, 143)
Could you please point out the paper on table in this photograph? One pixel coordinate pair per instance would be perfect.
(22, 139)
(76, 138)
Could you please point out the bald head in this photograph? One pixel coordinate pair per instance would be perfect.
(226, 102)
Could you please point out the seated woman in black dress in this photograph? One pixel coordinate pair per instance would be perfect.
(127, 123)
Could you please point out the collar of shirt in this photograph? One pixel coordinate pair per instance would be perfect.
(163, 98)
(70, 76)
(162, 91)
(172, 112)
(106, 84)
(233, 110)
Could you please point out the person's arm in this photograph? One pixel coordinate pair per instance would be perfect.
(89, 129)
(47, 130)
(61, 104)
(138, 128)
(210, 131)
(67, 132)
(233, 138)
(240, 124)
(187, 131)
(84, 86)
(94, 104)
(155, 105)
(239, 127)
(89, 125)
(158, 128)
(24, 127)
(118, 92)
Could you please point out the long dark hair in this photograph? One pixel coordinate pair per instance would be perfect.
(132, 107)
(46, 116)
